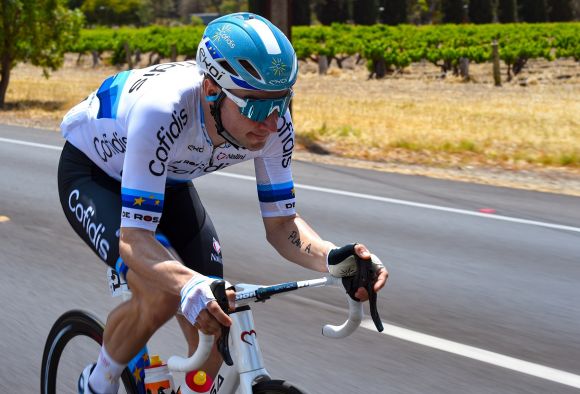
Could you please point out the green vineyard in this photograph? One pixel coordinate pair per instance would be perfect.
(383, 47)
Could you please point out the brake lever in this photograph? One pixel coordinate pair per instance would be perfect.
(364, 277)
(218, 289)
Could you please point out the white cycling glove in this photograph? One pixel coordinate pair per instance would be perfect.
(195, 296)
(341, 261)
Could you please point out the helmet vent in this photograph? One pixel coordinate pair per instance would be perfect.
(250, 68)
(224, 63)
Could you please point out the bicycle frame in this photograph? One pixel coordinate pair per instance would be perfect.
(248, 367)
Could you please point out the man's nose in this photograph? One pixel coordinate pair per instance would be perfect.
(271, 122)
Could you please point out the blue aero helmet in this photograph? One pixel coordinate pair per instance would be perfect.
(246, 51)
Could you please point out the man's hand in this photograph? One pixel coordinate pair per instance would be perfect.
(199, 306)
(341, 263)
(381, 272)
(210, 320)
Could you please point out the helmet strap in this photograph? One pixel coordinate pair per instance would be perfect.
(215, 109)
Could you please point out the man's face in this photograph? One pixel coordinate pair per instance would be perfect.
(251, 134)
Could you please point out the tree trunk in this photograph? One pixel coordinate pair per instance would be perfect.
(495, 59)
(464, 68)
(128, 58)
(173, 52)
(137, 56)
(380, 68)
(322, 64)
(96, 57)
(5, 78)
(519, 65)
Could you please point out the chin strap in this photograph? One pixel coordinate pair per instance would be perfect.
(214, 107)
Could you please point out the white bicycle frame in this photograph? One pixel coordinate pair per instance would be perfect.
(248, 367)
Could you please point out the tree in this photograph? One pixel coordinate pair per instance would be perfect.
(365, 12)
(301, 13)
(560, 10)
(72, 4)
(394, 12)
(453, 11)
(534, 10)
(35, 31)
(480, 11)
(508, 11)
(115, 12)
(328, 11)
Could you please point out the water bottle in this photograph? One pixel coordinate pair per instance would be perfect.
(158, 379)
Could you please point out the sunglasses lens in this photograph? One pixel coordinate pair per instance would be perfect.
(259, 110)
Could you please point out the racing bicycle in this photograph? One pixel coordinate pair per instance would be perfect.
(243, 369)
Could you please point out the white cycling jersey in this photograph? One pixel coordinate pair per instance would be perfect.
(145, 128)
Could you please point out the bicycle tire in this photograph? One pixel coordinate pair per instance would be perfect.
(275, 387)
(72, 324)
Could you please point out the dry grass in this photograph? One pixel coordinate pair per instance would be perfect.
(441, 122)
(412, 118)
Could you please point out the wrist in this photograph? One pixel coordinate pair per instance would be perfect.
(195, 295)
(329, 247)
(341, 261)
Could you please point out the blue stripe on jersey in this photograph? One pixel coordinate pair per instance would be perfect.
(142, 193)
(141, 199)
(109, 95)
(276, 192)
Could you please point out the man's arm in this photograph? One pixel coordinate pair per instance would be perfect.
(151, 261)
(296, 241)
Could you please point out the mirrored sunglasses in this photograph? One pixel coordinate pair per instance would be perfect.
(259, 109)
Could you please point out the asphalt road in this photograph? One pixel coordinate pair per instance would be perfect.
(506, 285)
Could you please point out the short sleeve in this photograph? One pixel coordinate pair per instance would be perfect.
(144, 174)
(274, 172)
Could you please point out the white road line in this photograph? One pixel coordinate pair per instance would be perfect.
(367, 197)
(18, 142)
(474, 353)
(417, 205)
(537, 370)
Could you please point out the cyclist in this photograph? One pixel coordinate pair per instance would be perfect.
(133, 147)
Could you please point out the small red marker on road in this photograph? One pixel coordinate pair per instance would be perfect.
(487, 210)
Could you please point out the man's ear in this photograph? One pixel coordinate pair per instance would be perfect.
(210, 89)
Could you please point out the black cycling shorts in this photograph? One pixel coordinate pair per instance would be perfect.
(91, 201)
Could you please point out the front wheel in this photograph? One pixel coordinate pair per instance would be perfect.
(275, 387)
(70, 325)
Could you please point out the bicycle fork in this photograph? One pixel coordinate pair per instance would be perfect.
(248, 367)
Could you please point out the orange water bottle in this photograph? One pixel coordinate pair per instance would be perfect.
(158, 379)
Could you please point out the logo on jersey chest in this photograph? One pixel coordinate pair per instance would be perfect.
(200, 167)
(194, 148)
(231, 156)
(166, 138)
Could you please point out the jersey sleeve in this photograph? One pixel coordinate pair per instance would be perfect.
(149, 143)
(274, 172)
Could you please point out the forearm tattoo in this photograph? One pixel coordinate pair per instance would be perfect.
(295, 240)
